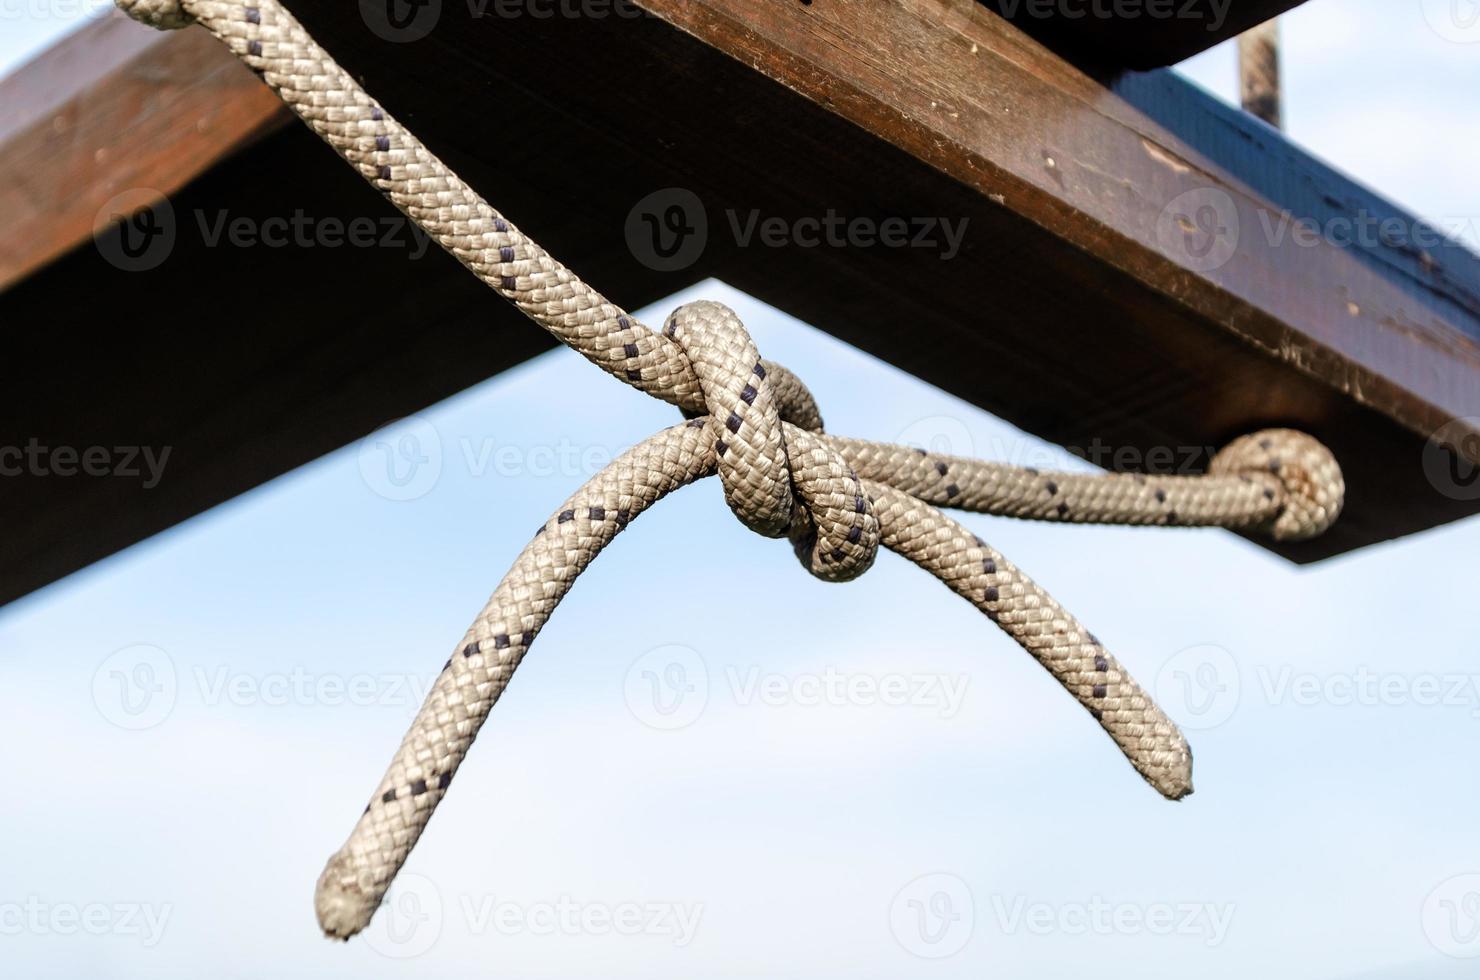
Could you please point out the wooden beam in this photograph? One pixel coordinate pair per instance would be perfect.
(113, 109)
(1082, 305)
(1053, 146)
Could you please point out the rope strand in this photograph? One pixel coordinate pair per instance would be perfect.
(756, 427)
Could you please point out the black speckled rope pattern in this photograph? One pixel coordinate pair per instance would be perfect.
(837, 499)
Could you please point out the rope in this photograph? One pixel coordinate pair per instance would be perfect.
(757, 427)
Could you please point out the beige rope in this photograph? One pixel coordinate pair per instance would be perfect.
(759, 430)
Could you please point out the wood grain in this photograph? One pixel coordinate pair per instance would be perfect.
(114, 107)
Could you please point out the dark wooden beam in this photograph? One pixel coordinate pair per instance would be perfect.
(1081, 306)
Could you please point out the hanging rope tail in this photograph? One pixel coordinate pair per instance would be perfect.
(757, 427)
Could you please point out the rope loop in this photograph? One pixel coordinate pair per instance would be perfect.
(1299, 472)
(778, 480)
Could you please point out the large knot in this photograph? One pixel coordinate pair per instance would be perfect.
(1299, 469)
(779, 479)
(164, 15)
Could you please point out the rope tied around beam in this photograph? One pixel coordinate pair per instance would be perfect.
(755, 425)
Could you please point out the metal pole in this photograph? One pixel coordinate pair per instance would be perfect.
(1259, 71)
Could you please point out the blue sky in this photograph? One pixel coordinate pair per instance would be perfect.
(194, 725)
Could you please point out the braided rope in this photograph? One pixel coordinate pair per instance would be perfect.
(758, 428)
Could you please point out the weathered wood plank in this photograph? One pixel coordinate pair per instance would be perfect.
(1086, 165)
(114, 109)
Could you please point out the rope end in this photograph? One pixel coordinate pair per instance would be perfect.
(342, 906)
(1170, 771)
